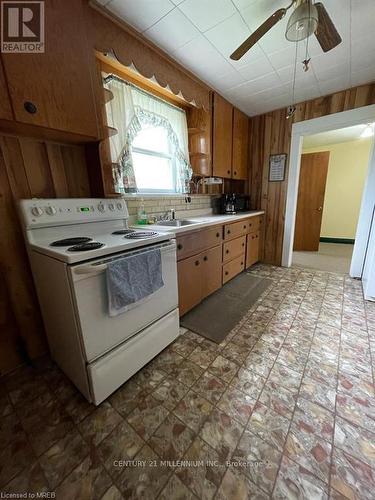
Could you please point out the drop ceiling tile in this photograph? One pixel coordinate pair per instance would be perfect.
(363, 52)
(305, 77)
(283, 58)
(272, 93)
(363, 16)
(141, 14)
(201, 57)
(173, 31)
(205, 14)
(229, 34)
(247, 89)
(256, 69)
(227, 81)
(363, 76)
(334, 85)
(327, 72)
(177, 2)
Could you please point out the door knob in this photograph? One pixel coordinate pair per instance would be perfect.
(320, 209)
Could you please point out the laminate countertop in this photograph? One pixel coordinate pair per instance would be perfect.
(200, 222)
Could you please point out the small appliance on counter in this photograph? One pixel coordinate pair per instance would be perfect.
(234, 203)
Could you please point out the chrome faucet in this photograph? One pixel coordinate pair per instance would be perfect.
(172, 213)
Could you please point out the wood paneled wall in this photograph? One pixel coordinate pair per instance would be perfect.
(271, 134)
(28, 168)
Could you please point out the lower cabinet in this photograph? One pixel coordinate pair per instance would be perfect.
(234, 267)
(252, 249)
(198, 277)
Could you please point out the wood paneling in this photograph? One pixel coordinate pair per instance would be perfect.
(270, 134)
(28, 168)
(222, 137)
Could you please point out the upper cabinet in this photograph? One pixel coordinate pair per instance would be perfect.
(229, 140)
(54, 89)
(240, 145)
(199, 132)
(5, 107)
(222, 137)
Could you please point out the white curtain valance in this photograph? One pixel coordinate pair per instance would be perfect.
(129, 111)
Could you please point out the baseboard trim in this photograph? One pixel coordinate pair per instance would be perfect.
(344, 241)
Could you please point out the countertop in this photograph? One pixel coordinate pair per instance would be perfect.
(200, 222)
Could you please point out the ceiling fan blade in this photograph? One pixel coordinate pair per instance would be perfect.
(326, 33)
(258, 33)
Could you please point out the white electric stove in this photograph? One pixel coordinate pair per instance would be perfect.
(70, 242)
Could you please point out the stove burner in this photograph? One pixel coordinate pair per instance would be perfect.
(70, 241)
(93, 245)
(124, 231)
(140, 234)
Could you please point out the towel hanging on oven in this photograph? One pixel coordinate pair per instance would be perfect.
(131, 280)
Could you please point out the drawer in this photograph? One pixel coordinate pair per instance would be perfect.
(193, 243)
(232, 268)
(235, 229)
(234, 248)
(254, 224)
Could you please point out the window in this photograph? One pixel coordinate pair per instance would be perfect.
(153, 161)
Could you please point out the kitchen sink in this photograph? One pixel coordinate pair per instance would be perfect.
(177, 223)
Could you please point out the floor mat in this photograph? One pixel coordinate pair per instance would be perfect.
(217, 315)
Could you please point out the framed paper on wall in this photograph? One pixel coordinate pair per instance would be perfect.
(277, 168)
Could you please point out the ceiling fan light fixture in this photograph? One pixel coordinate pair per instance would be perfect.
(303, 22)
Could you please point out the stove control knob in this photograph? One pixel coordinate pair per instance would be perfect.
(120, 206)
(111, 207)
(51, 210)
(37, 211)
(101, 207)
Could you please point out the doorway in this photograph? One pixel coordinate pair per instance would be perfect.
(333, 171)
(336, 121)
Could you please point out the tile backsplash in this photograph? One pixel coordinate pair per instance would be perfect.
(159, 205)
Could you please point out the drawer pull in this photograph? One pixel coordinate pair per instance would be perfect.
(217, 235)
(228, 232)
(205, 258)
(235, 172)
(243, 244)
(228, 171)
(226, 251)
(197, 262)
(244, 226)
(241, 263)
(226, 273)
(179, 246)
(30, 107)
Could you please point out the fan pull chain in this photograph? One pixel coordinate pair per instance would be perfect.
(306, 61)
(292, 108)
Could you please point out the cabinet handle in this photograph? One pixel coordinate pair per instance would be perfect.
(205, 258)
(217, 235)
(241, 263)
(179, 246)
(243, 244)
(227, 251)
(235, 172)
(197, 262)
(226, 273)
(228, 232)
(228, 171)
(244, 227)
(30, 107)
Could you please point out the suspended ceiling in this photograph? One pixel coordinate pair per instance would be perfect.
(201, 34)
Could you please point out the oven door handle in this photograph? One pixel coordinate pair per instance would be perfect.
(93, 269)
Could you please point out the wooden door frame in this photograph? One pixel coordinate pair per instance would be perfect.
(365, 114)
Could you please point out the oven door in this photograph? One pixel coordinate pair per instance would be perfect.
(101, 332)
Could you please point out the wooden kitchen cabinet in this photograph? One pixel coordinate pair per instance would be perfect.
(234, 267)
(252, 248)
(193, 243)
(5, 107)
(222, 137)
(240, 145)
(234, 248)
(235, 229)
(199, 134)
(189, 273)
(54, 89)
(211, 271)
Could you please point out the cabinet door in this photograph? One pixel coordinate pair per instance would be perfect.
(252, 249)
(211, 270)
(5, 108)
(54, 89)
(222, 137)
(199, 130)
(189, 273)
(235, 229)
(240, 145)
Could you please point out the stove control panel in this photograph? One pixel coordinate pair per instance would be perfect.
(60, 211)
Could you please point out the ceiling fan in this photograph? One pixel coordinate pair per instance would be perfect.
(306, 19)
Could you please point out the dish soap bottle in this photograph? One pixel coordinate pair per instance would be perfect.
(141, 214)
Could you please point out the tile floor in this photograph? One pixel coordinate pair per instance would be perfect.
(283, 408)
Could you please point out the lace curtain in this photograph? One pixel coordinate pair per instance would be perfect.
(129, 111)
